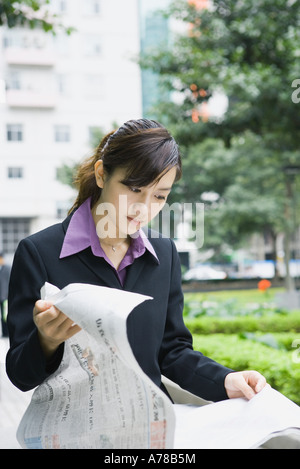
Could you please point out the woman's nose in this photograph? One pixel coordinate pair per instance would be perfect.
(140, 210)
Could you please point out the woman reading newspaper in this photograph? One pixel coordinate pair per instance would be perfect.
(122, 187)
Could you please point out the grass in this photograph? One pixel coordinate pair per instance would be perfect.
(232, 304)
(242, 296)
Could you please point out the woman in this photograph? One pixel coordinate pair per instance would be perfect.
(121, 188)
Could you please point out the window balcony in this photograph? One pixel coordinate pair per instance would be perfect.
(31, 99)
(30, 56)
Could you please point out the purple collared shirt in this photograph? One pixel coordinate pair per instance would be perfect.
(81, 234)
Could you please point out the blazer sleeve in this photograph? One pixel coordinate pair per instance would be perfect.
(190, 369)
(26, 364)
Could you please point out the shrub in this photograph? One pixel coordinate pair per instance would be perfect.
(243, 334)
(239, 354)
(289, 322)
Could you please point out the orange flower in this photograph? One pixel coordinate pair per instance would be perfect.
(264, 284)
(199, 4)
(195, 115)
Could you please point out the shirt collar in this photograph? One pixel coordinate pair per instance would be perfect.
(81, 234)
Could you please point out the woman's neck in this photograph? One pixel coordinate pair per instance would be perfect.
(107, 231)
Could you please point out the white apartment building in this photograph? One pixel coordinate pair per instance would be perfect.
(55, 91)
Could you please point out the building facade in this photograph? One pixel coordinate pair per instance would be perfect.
(56, 92)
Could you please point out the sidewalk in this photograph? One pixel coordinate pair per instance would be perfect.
(13, 404)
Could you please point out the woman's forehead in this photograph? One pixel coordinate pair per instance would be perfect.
(163, 182)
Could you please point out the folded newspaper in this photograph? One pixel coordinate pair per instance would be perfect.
(99, 397)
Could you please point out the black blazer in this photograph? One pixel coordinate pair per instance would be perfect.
(159, 339)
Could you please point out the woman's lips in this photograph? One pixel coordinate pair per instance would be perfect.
(134, 221)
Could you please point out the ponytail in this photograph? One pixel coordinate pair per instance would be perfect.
(85, 179)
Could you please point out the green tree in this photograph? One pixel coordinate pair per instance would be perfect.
(250, 52)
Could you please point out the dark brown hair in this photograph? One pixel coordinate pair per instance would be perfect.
(144, 148)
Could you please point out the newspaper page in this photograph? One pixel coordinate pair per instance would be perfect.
(239, 423)
(99, 397)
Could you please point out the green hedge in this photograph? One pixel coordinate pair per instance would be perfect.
(278, 366)
(273, 323)
(245, 331)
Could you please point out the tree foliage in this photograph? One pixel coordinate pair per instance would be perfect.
(250, 52)
(30, 13)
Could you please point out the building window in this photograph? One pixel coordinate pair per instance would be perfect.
(15, 173)
(92, 45)
(62, 84)
(91, 7)
(14, 132)
(12, 230)
(13, 81)
(58, 6)
(62, 133)
(62, 6)
(11, 41)
(24, 39)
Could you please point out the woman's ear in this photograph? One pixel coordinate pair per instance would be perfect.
(99, 173)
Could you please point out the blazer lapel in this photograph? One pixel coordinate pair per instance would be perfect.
(134, 271)
(100, 268)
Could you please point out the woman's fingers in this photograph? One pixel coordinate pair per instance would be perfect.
(53, 325)
(244, 384)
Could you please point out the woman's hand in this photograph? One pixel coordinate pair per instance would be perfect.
(244, 384)
(53, 326)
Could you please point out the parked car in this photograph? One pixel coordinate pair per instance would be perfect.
(204, 272)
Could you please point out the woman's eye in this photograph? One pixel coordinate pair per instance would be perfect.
(134, 189)
(160, 197)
